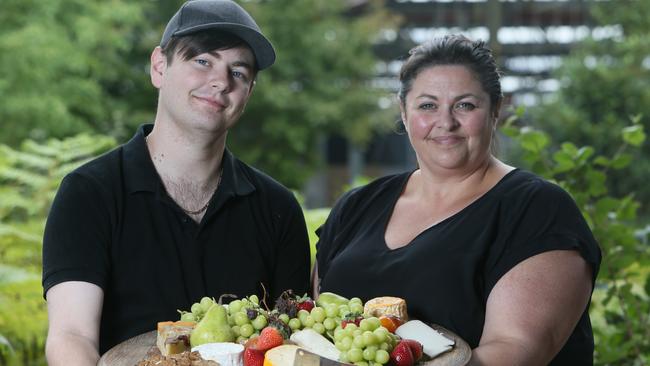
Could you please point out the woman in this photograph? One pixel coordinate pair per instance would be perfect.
(495, 254)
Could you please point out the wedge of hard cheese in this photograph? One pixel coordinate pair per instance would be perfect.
(386, 305)
(313, 342)
(434, 342)
(283, 355)
(174, 337)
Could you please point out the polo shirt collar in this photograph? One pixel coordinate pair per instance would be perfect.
(141, 175)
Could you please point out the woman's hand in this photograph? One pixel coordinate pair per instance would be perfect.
(533, 309)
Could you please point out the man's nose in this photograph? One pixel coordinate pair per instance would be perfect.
(219, 81)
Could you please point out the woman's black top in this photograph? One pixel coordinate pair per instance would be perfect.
(447, 272)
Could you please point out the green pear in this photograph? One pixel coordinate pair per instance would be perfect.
(213, 327)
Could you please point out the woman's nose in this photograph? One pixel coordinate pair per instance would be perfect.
(447, 120)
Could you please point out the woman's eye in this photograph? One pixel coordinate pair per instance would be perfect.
(427, 106)
(238, 74)
(202, 62)
(465, 106)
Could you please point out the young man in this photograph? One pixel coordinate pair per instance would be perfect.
(172, 216)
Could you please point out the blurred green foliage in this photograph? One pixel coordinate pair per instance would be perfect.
(29, 178)
(621, 304)
(603, 83)
(68, 66)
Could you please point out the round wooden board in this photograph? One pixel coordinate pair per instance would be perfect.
(132, 351)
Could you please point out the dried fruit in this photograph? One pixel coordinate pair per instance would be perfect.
(390, 322)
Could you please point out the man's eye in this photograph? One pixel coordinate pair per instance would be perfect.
(465, 106)
(238, 74)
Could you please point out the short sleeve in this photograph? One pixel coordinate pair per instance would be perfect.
(539, 217)
(77, 235)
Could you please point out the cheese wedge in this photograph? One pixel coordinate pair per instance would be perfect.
(226, 354)
(281, 355)
(433, 342)
(313, 342)
(386, 305)
(174, 337)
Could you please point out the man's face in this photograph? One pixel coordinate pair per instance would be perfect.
(208, 91)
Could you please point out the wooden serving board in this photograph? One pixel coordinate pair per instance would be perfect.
(132, 351)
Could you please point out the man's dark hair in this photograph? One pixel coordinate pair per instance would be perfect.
(202, 42)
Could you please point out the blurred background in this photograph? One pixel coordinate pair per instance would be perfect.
(74, 83)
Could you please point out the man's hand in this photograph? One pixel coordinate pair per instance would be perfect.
(74, 313)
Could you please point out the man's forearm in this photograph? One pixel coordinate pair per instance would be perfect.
(70, 350)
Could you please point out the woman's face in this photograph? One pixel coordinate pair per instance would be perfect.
(449, 120)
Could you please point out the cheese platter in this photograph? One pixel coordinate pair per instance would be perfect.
(330, 332)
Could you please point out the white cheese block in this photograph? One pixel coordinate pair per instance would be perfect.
(226, 354)
(433, 342)
(281, 355)
(313, 342)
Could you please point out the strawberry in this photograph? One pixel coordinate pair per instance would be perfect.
(351, 318)
(416, 348)
(305, 304)
(269, 337)
(402, 355)
(253, 357)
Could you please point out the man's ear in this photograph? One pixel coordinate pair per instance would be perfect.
(158, 66)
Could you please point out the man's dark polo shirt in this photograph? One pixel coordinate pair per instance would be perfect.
(112, 224)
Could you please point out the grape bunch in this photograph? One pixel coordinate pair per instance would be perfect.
(246, 317)
(366, 344)
(198, 310)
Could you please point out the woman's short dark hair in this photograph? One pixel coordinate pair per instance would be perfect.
(201, 42)
(453, 50)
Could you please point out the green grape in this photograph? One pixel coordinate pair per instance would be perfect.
(382, 356)
(241, 339)
(361, 363)
(319, 328)
(369, 338)
(365, 324)
(331, 310)
(382, 334)
(303, 314)
(358, 342)
(241, 318)
(235, 329)
(351, 327)
(374, 322)
(355, 355)
(188, 317)
(318, 314)
(206, 303)
(246, 330)
(254, 299)
(357, 332)
(355, 300)
(234, 306)
(329, 323)
(344, 357)
(339, 333)
(308, 321)
(385, 346)
(343, 310)
(231, 320)
(345, 344)
(356, 308)
(196, 308)
(284, 318)
(369, 353)
(295, 324)
(259, 322)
